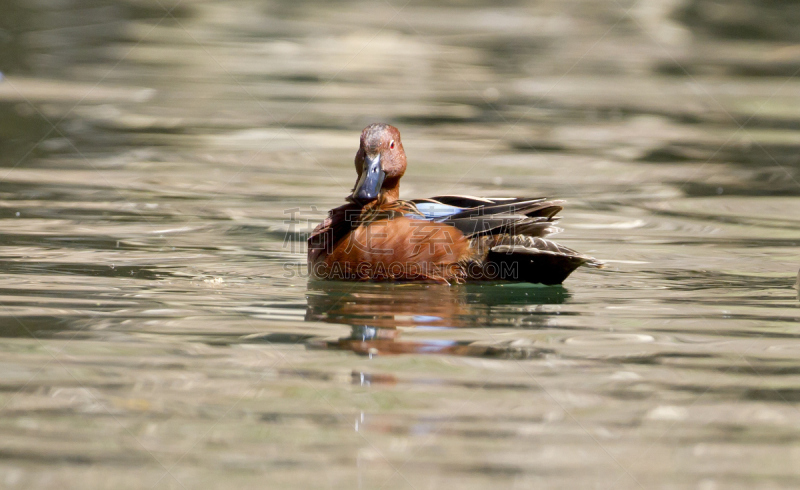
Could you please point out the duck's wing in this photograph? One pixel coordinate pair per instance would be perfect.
(507, 236)
(433, 210)
(336, 225)
(477, 216)
(473, 202)
(540, 246)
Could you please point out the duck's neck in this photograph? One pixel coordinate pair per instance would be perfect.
(390, 191)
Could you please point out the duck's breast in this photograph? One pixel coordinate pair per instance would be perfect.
(399, 248)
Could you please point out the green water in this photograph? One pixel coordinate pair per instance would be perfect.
(159, 170)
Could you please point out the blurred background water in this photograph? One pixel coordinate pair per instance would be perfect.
(161, 162)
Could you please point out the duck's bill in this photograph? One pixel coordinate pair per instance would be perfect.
(369, 185)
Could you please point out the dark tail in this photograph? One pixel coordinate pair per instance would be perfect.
(536, 260)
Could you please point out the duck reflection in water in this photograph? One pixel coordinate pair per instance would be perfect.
(378, 313)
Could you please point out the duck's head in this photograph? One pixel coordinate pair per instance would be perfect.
(380, 162)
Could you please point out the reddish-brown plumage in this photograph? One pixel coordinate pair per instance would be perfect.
(400, 249)
(377, 236)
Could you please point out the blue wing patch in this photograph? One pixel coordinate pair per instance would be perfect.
(435, 210)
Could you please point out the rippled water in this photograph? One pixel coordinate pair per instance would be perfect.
(159, 173)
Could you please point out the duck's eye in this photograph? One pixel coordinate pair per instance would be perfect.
(391, 145)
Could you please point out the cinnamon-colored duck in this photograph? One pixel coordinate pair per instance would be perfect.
(445, 239)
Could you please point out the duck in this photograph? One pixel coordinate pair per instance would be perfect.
(448, 239)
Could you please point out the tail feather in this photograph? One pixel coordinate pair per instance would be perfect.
(543, 267)
(539, 260)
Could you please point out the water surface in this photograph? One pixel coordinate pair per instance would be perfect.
(162, 162)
